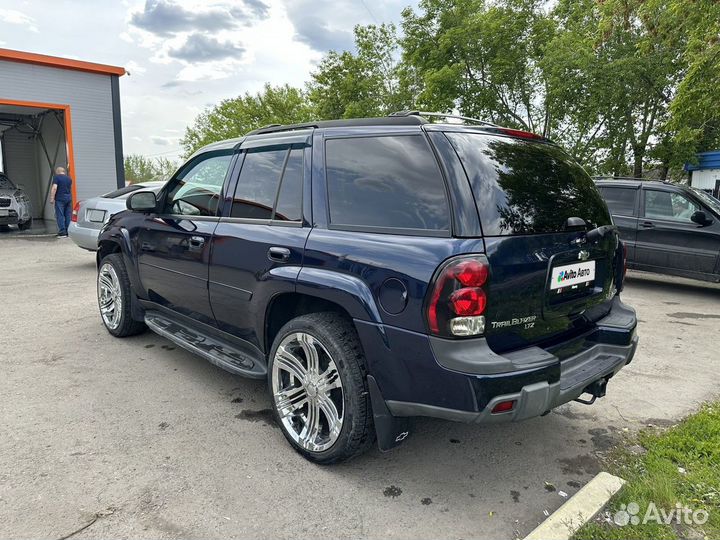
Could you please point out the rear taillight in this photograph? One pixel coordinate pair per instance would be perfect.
(75, 211)
(458, 299)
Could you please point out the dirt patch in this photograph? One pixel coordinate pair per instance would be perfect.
(584, 464)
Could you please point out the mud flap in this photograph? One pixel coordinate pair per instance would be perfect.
(390, 430)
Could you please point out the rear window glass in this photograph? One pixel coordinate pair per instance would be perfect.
(122, 191)
(5, 183)
(387, 182)
(524, 187)
(620, 201)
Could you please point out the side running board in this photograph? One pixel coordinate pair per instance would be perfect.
(212, 349)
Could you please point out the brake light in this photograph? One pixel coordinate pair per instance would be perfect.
(520, 133)
(503, 406)
(458, 300)
(75, 211)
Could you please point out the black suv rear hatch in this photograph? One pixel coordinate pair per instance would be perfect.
(546, 283)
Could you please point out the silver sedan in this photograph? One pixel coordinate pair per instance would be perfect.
(89, 216)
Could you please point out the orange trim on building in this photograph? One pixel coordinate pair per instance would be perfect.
(67, 114)
(57, 62)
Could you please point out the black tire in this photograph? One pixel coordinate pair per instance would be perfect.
(26, 225)
(126, 325)
(339, 338)
(4, 228)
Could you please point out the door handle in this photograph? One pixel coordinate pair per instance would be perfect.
(279, 254)
(197, 241)
(647, 224)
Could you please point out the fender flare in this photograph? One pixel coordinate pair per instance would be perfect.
(346, 290)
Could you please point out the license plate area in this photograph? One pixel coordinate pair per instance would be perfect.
(96, 216)
(571, 277)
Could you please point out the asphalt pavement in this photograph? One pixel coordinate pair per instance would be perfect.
(140, 439)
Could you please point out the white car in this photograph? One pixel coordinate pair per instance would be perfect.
(89, 216)
(15, 208)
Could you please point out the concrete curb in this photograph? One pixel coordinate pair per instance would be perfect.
(579, 509)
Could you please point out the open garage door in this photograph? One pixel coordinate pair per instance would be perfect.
(35, 139)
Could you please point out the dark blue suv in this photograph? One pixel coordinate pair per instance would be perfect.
(378, 269)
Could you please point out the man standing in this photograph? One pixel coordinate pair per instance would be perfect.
(61, 197)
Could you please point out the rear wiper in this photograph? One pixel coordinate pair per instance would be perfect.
(593, 235)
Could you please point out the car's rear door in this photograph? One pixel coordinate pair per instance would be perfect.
(667, 238)
(546, 280)
(623, 201)
(258, 245)
(174, 244)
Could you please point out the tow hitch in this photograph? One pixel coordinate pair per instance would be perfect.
(596, 389)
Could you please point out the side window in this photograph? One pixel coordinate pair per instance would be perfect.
(270, 185)
(195, 191)
(289, 204)
(385, 181)
(667, 205)
(620, 201)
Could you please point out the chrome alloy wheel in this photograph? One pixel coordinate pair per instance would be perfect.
(109, 296)
(308, 392)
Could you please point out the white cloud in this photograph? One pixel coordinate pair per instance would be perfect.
(132, 67)
(282, 42)
(12, 16)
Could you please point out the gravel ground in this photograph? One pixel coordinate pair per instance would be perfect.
(144, 440)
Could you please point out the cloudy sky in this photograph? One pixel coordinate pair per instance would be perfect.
(184, 56)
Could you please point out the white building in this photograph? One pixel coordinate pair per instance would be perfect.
(706, 174)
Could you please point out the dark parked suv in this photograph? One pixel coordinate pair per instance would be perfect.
(667, 228)
(379, 269)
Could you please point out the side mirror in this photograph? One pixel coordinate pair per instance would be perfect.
(142, 201)
(701, 218)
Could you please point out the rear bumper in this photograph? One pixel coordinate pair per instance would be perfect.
(84, 237)
(538, 380)
(536, 399)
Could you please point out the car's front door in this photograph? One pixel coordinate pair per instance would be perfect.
(259, 242)
(668, 238)
(174, 245)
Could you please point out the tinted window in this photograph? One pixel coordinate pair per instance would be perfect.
(385, 182)
(258, 184)
(195, 191)
(524, 187)
(621, 201)
(289, 204)
(667, 205)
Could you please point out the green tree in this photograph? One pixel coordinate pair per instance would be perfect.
(139, 168)
(481, 58)
(368, 82)
(235, 117)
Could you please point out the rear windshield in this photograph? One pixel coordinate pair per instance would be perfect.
(123, 191)
(524, 187)
(5, 182)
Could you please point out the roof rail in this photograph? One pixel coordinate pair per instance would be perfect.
(630, 178)
(443, 115)
(276, 128)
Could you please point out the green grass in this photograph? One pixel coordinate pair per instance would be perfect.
(693, 445)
